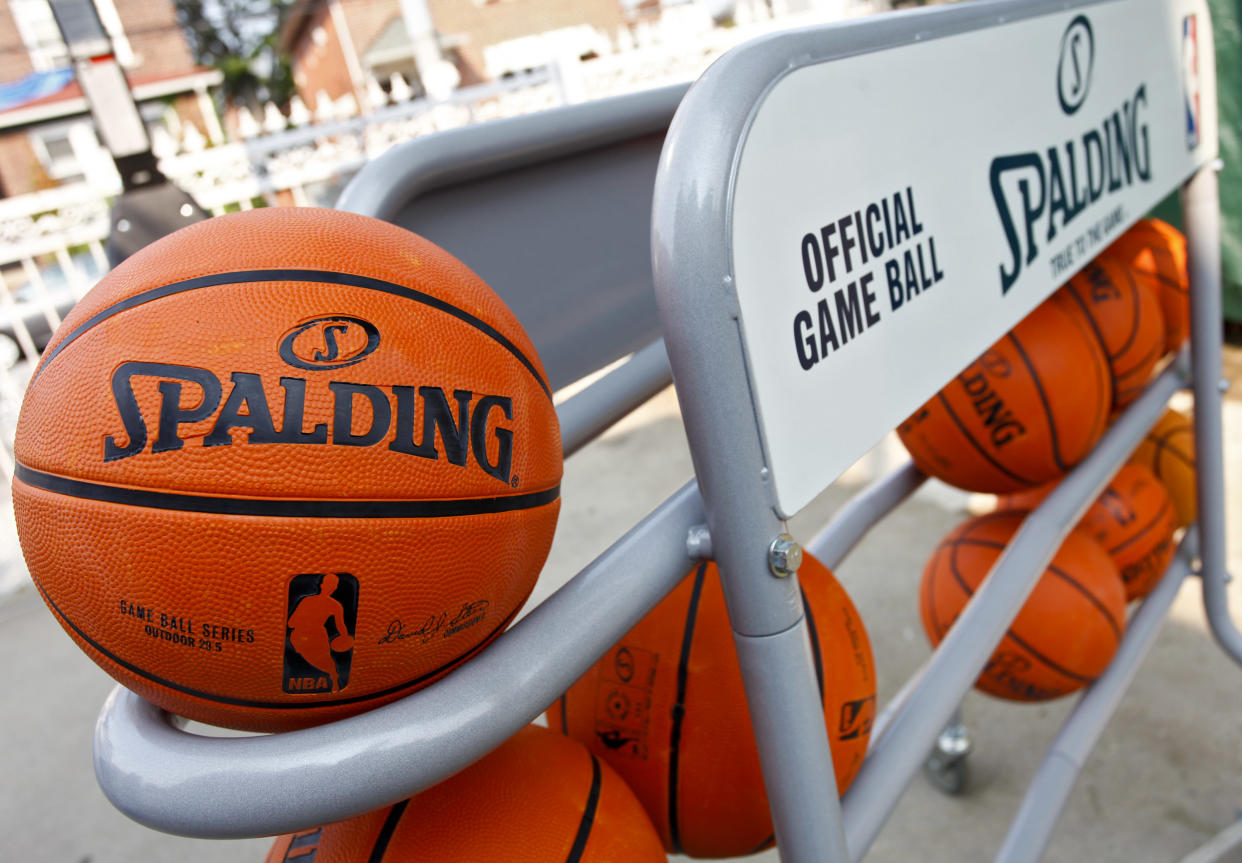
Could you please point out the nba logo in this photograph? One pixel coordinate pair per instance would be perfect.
(319, 640)
(1190, 79)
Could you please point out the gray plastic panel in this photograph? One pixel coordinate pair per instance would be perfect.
(553, 210)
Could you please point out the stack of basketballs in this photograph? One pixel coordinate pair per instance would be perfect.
(285, 466)
(1026, 412)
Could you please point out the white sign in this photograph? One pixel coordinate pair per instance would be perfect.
(896, 212)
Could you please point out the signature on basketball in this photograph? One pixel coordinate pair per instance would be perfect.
(441, 624)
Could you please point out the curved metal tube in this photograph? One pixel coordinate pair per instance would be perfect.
(604, 402)
(389, 182)
(227, 788)
(1201, 205)
(850, 524)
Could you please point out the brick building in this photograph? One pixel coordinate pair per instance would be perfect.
(336, 46)
(47, 137)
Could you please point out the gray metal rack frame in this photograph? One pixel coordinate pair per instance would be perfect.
(593, 163)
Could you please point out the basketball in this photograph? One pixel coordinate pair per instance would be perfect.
(1155, 252)
(1127, 319)
(1022, 414)
(667, 709)
(539, 797)
(286, 465)
(1168, 451)
(1133, 519)
(1065, 634)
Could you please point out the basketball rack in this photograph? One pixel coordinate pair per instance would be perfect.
(704, 195)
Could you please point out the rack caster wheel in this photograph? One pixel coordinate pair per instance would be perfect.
(946, 767)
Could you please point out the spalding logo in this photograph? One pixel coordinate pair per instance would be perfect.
(330, 342)
(419, 416)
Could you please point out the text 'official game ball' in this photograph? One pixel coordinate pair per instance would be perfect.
(1125, 315)
(286, 465)
(667, 709)
(1065, 634)
(1168, 451)
(1024, 413)
(1155, 252)
(539, 797)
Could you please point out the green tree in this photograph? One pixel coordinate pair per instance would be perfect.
(241, 38)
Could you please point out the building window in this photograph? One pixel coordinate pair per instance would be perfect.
(40, 34)
(61, 150)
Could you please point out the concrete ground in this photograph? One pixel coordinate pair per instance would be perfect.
(1166, 776)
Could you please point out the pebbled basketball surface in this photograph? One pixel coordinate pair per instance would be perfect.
(1024, 412)
(538, 798)
(201, 446)
(1066, 632)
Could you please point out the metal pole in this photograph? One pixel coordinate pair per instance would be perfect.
(850, 524)
(586, 414)
(1045, 797)
(1201, 208)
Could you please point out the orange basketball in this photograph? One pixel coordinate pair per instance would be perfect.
(1127, 319)
(1065, 634)
(1168, 451)
(539, 797)
(273, 429)
(667, 709)
(1023, 413)
(1133, 519)
(1155, 252)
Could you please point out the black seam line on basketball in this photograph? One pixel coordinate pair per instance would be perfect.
(588, 814)
(815, 654)
(1095, 328)
(1163, 445)
(679, 708)
(385, 834)
(564, 716)
(975, 444)
(1058, 668)
(321, 276)
(1142, 363)
(1089, 596)
(1009, 633)
(270, 705)
(281, 508)
(1165, 508)
(1136, 314)
(1112, 622)
(929, 600)
(764, 844)
(1107, 372)
(1043, 398)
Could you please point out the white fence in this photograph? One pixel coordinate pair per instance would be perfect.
(52, 242)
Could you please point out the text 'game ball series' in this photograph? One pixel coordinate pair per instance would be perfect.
(1133, 519)
(1168, 451)
(1024, 413)
(291, 484)
(1155, 252)
(539, 797)
(1065, 634)
(666, 708)
(1126, 317)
